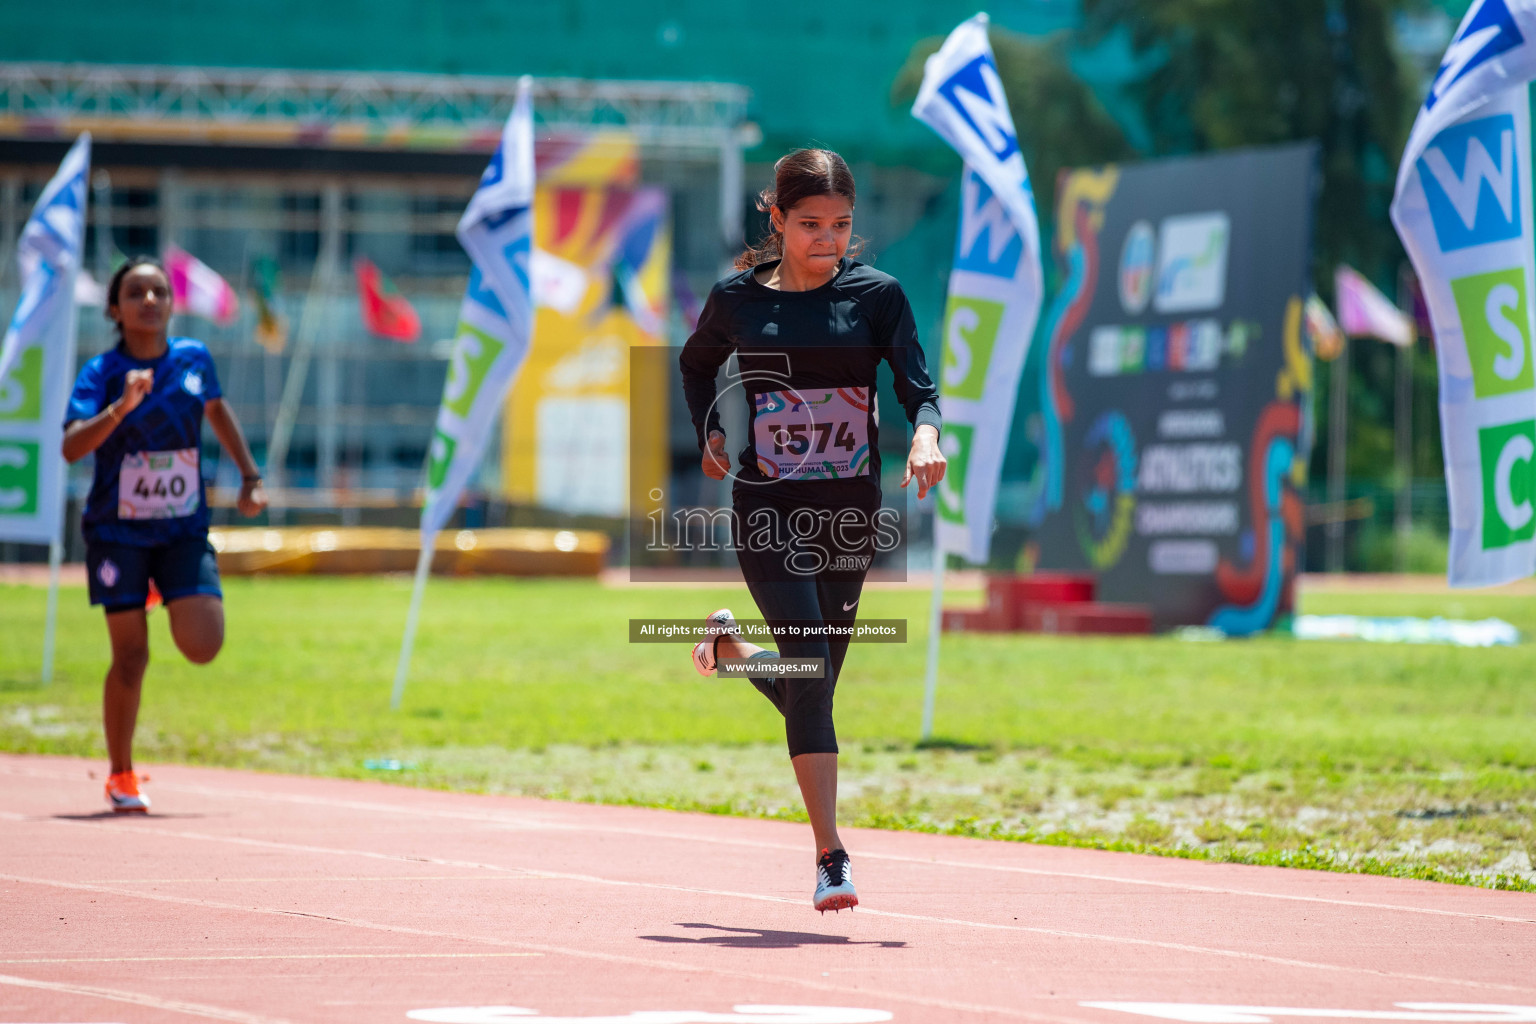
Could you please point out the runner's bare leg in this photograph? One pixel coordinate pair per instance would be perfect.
(197, 626)
(816, 773)
(129, 633)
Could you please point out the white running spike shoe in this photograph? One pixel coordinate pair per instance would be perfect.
(834, 882)
(718, 624)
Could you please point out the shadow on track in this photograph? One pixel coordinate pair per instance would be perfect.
(764, 938)
(113, 815)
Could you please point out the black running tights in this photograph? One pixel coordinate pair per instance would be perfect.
(790, 592)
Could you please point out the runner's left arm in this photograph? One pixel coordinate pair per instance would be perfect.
(227, 429)
(900, 348)
(897, 336)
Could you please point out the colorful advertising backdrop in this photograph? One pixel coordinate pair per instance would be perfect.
(1174, 384)
(602, 269)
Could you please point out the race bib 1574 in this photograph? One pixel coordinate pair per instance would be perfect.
(158, 485)
(812, 433)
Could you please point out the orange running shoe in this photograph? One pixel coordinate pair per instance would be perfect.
(152, 600)
(124, 795)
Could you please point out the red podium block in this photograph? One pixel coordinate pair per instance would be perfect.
(973, 620)
(1086, 618)
(1039, 588)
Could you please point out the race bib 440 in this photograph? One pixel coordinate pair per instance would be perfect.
(812, 434)
(158, 485)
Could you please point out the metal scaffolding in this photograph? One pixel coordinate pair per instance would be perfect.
(351, 110)
(142, 101)
(688, 124)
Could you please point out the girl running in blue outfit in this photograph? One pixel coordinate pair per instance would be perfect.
(810, 327)
(139, 407)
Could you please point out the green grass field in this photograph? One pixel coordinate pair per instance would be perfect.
(1396, 759)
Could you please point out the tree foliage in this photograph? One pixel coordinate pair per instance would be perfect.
(1226, 73)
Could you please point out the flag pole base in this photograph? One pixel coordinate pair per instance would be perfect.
(423, 570)
(51, 627)
(935, 623)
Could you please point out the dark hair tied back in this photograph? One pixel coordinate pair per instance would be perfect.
(802, 174)
(115, 287)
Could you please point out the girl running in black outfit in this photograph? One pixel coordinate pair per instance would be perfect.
(809, 326)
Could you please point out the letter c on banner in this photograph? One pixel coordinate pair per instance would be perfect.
(13, 457)
(1515, 515)
(1502, 299)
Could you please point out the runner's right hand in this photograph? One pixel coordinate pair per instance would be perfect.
(136, 387)
(716, 462)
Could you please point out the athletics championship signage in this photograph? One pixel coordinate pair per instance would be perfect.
(1175, 384)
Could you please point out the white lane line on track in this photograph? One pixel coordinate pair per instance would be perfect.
(511, 821)
(586, 954)
(760, 898)
(1088, 877)
(327, 879)
(140, 999)
(274, 956)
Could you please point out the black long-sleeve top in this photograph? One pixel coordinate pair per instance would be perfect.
(832, 337)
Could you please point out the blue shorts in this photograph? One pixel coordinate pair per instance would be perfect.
(119, 574)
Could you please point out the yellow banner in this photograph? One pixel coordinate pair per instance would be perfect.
(602, 271)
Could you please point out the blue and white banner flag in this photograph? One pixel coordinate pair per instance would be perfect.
(995, 285)
(1463, 210)
(495, 319)
(37, 359)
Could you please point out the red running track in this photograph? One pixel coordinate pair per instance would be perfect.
(264, 899)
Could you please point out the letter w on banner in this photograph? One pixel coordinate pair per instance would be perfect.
(1463, 210)
(495, 319)
(994, 287)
